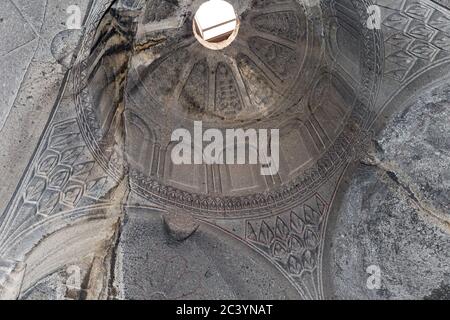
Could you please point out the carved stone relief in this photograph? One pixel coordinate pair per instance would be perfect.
(102, 166)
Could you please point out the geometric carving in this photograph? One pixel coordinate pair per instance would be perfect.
(228, 99)
(47, 164)
(258, 74)
(280, 59)
(56, 181)
(267, 3)
(35, 189)
(283, 24)
(420, 35)
(195, 93)
(72, 194)
(48, 202)
(292, 240)
(259, 89)
(59, 177)
(158, 10)
(254, 82)
(76, 161)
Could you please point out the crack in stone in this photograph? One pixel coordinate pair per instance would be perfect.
(394, 177)
(142, 46)
(371, 159)
(111, 289)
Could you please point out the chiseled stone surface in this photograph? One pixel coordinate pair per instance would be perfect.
(180, 226)
(11, 276)
(415, 147)
(91, 207)
(379, 225)
(30, 81)
(207, 265)
(395, 213)
(17, 46)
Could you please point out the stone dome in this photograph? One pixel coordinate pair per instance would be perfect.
(285, 70)
(94, 207)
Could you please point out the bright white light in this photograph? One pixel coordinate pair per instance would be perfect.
(215, 20)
